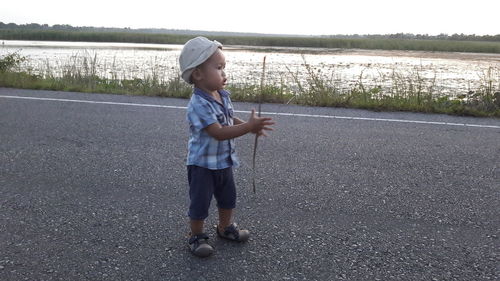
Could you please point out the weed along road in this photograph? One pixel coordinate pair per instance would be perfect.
(93, 187)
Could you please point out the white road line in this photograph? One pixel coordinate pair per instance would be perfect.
(95, 102)
(266, 113)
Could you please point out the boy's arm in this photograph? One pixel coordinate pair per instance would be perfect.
(220, 133)
(255, 124)
(237, 121)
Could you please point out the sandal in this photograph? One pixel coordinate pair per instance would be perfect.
(199, 246)
(233, 233)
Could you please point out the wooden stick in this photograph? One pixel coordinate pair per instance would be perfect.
(262, 80)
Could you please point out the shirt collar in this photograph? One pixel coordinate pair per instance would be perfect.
(223, 93)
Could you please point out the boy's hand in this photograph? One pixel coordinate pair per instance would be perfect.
(260, 124)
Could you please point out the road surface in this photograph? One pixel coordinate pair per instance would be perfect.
(93, 187)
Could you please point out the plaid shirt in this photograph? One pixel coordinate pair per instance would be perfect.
(204, 150)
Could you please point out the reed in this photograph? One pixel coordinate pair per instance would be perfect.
(399, 92)
(281, 41)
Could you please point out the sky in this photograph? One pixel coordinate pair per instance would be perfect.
(311, 17)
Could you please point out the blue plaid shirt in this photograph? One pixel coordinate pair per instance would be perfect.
(203, 150)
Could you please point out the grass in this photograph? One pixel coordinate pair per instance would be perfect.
(313, 42)
(402, 92)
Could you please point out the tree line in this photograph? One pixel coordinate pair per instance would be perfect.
(405, 36)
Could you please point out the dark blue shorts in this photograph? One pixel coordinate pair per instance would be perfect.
(205, 183)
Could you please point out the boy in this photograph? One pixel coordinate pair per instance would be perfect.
(211, 150)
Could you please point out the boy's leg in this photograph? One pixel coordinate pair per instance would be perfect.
(200, 194)
(228, 230)
(225, 218)
(198, 240)
(225, 193)
(196, 226)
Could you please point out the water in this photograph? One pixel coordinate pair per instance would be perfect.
(446, 72)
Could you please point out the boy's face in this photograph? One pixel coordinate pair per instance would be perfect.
(210, 75)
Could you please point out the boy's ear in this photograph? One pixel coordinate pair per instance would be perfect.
(196, 75)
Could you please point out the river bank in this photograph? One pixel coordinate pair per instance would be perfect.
(452, 83)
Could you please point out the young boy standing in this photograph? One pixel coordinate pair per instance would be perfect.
(211, 150)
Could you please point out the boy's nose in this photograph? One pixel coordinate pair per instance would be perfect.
(223, 74)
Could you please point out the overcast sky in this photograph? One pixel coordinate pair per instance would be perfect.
(311, 17)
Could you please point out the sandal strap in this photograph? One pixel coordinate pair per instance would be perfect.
(196, 238)
(231, 229)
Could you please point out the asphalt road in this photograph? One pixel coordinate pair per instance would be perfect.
(98, 191)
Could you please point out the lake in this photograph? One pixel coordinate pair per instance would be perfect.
(446, 73)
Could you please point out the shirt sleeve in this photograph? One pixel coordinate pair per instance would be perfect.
(201, 115)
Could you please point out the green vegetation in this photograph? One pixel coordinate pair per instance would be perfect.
(407, 92)
(66, 27)
(389, 43)
(10, 61)
(82, 77)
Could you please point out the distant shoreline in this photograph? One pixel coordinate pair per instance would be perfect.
(188, 32)
(402, 42)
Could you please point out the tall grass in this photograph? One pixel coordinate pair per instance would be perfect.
(314, 42)
(399, 92)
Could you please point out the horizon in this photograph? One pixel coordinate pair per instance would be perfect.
(237, 32)
(314, 18)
